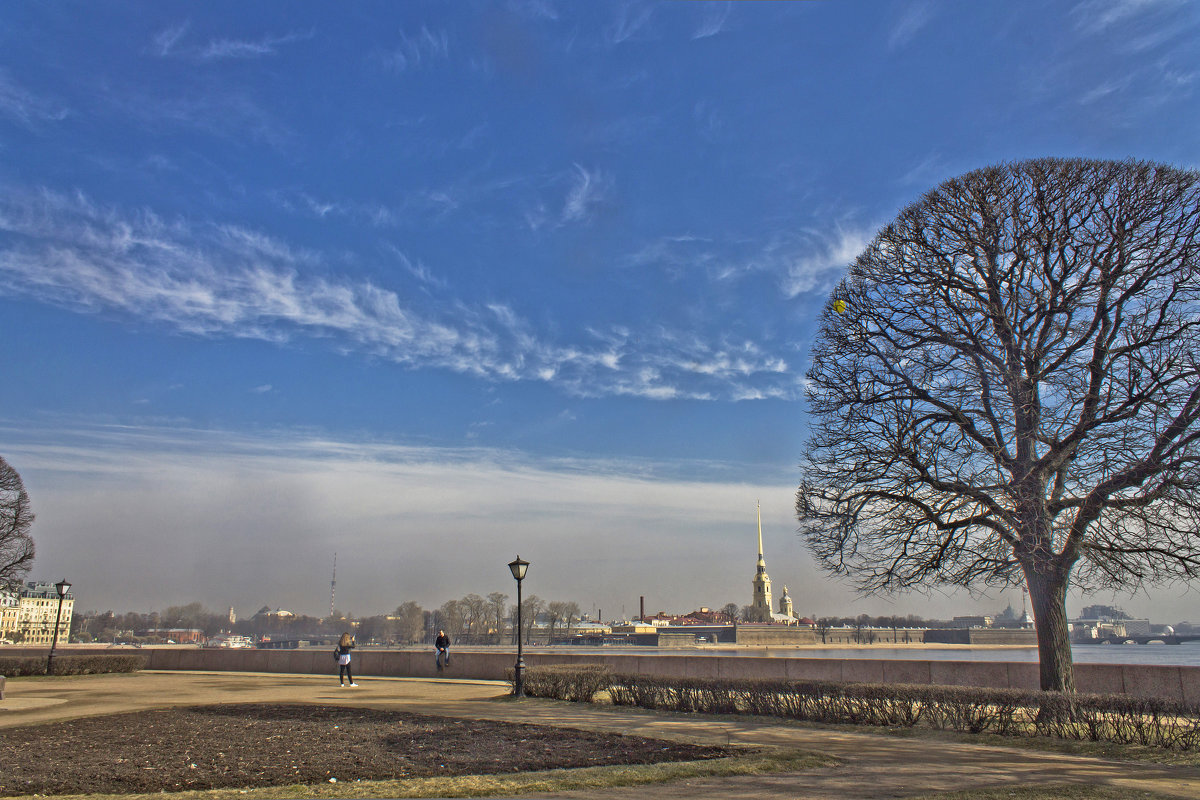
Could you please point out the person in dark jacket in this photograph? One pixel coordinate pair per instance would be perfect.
(442, 643)
(345, 645)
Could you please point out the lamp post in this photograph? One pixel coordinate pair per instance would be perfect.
(518, 568)
(63, 587)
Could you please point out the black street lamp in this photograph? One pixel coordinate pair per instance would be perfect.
(518, 568)
(63, 587)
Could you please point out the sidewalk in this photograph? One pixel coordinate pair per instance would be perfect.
(872, 766)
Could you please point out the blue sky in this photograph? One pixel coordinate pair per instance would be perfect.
(431, 284)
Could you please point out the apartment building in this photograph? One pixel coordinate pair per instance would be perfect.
(27, 616)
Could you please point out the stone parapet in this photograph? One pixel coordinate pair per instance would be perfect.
(1174, 682)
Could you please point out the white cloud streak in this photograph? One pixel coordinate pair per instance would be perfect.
(23, 106)
(226, 281)
(715, 16)
(915, 17)
(824, 260)
(167, 45)
(414, 51)
(811, 261)
(1097, 16)
(588, 190)
(166, 39)
(631, 19)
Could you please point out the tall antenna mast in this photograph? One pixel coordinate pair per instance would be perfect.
(333, 585)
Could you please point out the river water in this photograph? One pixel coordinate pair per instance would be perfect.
(1186, 654)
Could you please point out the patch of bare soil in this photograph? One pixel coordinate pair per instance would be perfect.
(244, 746)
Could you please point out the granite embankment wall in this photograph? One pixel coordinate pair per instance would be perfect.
(1181, 683)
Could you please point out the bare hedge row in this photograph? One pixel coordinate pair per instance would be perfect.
(1007, 712)
(14, 667)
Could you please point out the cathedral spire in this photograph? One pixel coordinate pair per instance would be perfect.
(761, 606)
(762, 562)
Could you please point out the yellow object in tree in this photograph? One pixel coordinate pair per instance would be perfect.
(839, 306)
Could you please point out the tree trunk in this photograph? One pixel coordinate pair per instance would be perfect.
(1048, 594)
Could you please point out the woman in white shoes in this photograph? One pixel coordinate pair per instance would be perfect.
(345, 645)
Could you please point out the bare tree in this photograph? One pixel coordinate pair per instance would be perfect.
(554, 615)
(1005, 388)
(530, 608)
(450, 619)
(410, 622)
(474, 611)
(497, 601)
(560, 611)
(730, 612)
(16, 516)
(572, 612)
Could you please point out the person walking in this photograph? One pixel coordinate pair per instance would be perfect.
(442, 643)
(345, 645)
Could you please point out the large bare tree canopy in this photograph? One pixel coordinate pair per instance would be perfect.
(16, 545)
(1012, 391)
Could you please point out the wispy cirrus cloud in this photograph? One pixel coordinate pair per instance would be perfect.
(1096, 16)
(822, 257)
(243, 48)
(169, 42)
(226, 281)
(166, 39)
(588, 190)
(631, 21)
(713, 22)
(914, 17)
(23, 106)
(809, 261)
(414, 51)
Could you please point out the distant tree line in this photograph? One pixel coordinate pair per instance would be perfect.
(470, 620)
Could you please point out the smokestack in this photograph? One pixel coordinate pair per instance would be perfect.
(642, 606)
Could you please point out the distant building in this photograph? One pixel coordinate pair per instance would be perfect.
(27, 616)
(1101, 612)
(279, 613)
(175, 635)
(972, 622)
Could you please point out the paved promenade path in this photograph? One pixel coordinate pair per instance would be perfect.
(871, 766)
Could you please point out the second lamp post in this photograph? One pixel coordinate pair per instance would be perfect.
(518, 568)
(62, 587)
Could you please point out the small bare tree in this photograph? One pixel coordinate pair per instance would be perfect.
(1006, 388)
(16, 517)
(410, 619)
(474, 610)
(497, 603)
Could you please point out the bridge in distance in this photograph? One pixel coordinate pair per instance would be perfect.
(1164, 638)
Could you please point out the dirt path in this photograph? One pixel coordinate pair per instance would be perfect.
(872, 766)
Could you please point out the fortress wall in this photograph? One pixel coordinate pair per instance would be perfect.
(774, 634)
(1181, 683)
